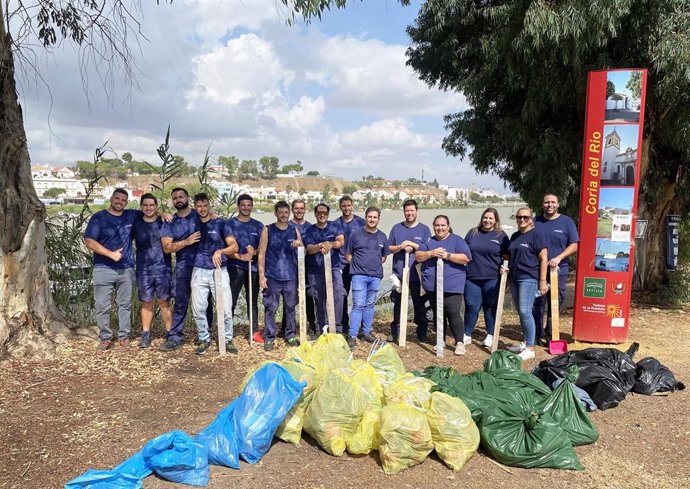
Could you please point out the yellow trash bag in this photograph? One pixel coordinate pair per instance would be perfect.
(330, 349)
(301, 353)
(453, 432)
(334, 413)
(387, 364)
(415, 391)
(405, 437)
(290, 430)
(366, 438)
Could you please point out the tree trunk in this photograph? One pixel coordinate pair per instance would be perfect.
(28, 320)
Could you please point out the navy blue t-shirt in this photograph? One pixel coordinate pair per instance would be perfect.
(453, 274)
(558, 234)
(213, 234)
(181, 228)
(247, 234)
(418, 234)
(313, 235)
(367, 249)
(113, 232)
(301, 227)
(151, 259)
(524, 252)
(281, 257)
(488, 248)
(347, 228)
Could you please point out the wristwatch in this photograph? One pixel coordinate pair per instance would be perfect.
(447, 256)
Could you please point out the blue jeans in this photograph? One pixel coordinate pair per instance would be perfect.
(182, 291)
(287, 289)
(481, 294)
(364, 290)
(544, 303)
(105, 282)
(203, 283)
(522, 288)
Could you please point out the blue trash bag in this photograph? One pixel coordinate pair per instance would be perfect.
(127, 475)
(176, 457)
(266, 399)
(220, 440)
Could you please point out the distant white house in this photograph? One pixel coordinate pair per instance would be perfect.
(455, 193)
(618, 167)
(41, 171)
(72, 187)
(63, 172)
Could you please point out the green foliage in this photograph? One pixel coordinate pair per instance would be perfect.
(312, 173)
(635, 84)
(269, 166)
(231, 164)
(248, 170)
(349, 189)
(170, 169)
(610, 88)
(53, 193)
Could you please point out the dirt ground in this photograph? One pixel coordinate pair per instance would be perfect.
(90, 409)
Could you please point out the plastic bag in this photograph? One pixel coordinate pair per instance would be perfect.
(366, 437)
(251, 373)
(330, 349)
(511, 379)
(651, 376)
(405, 437)
(105, 479)
(502, 359)
(335, 412)
(387, 364)
(515, 433)
(455, 435)
(565, 408)
(220, 439)
(415, 391)
(176, 457)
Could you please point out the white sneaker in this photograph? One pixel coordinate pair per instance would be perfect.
(488, 341)
(466, 339)
(517, 348)
(460, 348)
(526, 354)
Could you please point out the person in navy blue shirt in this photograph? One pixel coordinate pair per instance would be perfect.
(406, 237)
(561, 239)
(181, 236)
(366, 251)
(153, 268)
(278, 271)
(324, 237)
(247, 232)
(109, 236)
(348, 222)
(528, 259)
(216, 243)
(489, 246)
(452, 249)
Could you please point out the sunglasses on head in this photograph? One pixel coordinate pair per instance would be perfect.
(523, 218)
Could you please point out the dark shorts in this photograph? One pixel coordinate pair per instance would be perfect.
(154, 286)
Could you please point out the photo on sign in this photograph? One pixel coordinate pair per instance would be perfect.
(623, 96)
(619, 157)
(611, 256)
(614, 202)
(622, 225)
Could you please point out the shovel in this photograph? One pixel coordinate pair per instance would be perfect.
(557, 346)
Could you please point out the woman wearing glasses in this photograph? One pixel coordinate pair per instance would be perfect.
(452, 249)
(528, 263)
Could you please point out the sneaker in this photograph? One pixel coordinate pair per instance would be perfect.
(460, 348)
(369, 338)
(258, 338)
(543, 342)
(526, 354)
(352, 342)
(105, 345)
(281, 333)
(169, 345)
(124, 343)
(145, 340)
(488, 341)
(292, 341)
(268, 345)
(392, 339)
(230, 347)
(203, 347)
(517, 348)
(467, 339)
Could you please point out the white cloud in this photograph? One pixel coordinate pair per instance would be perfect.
(387, 132)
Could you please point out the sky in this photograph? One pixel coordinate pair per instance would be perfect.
(620, 80)
(621, 198)
(231, 75)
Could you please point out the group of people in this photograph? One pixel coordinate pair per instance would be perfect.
(244, 254)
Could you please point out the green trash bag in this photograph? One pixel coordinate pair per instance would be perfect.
(517, 434)
(564, 406)
(405, 437)
(502, 359)
(508, 378)
(455, 435)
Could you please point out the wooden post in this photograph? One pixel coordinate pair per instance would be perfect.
(499, 308)
(440, 323)
(220, 308)
(555, 312)
(250, 303)
(404, 295)
(302, 296)
(330, 307)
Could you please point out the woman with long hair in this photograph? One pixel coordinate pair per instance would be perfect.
(489, 246)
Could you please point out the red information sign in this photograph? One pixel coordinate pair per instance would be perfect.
(608, 204)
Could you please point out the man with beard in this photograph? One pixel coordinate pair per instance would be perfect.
(181, 236)
(347, 222)
(247, 232)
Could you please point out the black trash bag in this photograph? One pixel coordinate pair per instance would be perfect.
(606, 374)
(653, 377)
